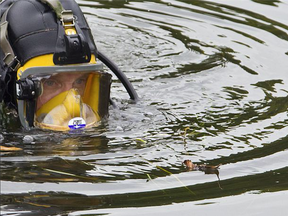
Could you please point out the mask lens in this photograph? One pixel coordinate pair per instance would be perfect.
(71, 97)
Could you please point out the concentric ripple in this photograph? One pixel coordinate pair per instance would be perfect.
(212, 77)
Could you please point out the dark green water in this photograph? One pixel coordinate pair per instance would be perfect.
(217, 67)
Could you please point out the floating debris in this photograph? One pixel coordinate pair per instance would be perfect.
(28, 139)
(5, 148)
(207, 169)
(184, 132)
(140, 141)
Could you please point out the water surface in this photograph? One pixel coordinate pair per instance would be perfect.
(218, 69)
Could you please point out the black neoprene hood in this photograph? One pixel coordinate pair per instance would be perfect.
(33, 28)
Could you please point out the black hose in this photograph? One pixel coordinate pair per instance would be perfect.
(121, 76)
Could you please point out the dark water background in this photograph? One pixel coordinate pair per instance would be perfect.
(217, 68)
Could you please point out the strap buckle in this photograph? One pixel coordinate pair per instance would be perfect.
(67, 18)
(14, 64)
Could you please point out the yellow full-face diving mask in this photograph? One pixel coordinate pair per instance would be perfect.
(63, 97)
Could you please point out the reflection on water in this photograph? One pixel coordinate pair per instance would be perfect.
(213, 85)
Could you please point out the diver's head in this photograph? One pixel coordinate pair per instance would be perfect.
(48, 65)
(60, 98)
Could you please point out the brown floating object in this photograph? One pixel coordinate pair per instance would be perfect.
(207, 169)
(202, 167)
(189, 164)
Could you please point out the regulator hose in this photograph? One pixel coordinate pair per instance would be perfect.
(120, 75)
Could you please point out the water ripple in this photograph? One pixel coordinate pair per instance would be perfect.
(213, 85)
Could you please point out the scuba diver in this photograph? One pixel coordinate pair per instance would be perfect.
(49, 69)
